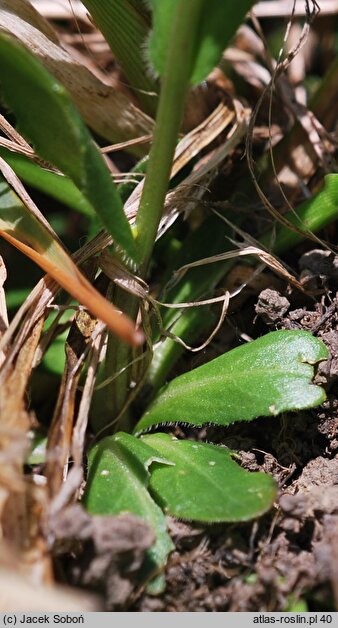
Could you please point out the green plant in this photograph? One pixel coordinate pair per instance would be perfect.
(196, 480)
(152, 475)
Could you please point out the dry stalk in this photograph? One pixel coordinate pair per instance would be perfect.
(277, 69)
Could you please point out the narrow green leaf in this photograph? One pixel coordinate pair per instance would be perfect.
(125, 26)
(262, 378)
(206, 484)
(35, 238)
(117, 482)
(310, 216)
(106, 110)
(48, 118)
(217, 25)
(51, 183)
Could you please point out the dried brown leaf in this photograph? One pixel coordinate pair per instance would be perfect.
(265, 257)
(106, 110)
(21, 504)
(80, 339)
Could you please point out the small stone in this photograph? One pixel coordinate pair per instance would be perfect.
(320, 263)
(271, 305)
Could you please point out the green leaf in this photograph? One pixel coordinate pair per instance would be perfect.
(310, 216)
(217, 25)
(125, 26)
(105, 109)
(51, 183)
(30, 233)
(117, 482)
(262, 378)
(48, 118)
(206, 484)
(54, 359)
(37, 454)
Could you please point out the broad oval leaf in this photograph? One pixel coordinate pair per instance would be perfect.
(217, 24)
(206, 484)
(262, 378)
(48, 118)
(117, 482)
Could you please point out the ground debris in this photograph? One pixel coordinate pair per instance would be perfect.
(107, 552)
(326, 554)
(319, 263)
(327, 371)
(271, 306)
(328, 422)
(319, 472)
(306, 504)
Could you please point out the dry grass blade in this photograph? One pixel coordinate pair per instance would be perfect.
(145, 139)
(225, 299)
(200, 137)
(16, 148)
(184, 197)
(3, 308)
(192, 144)
(113, 268)
(21, 504)
(268, 259)
(105, 109)
(136, 286)
(42, 296)
(28, 314)
(23, 225)
(61, 10)
(280, 8)
(60, 433)
(17, 186)
(70, 488)
(307, 120)
(82, 290)
(13, 135)
(189, 191)
(187, 194)
(78, 441)
(14, 419)
(189, 304)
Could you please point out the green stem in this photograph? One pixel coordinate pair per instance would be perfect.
(175, 80)
(109, 401)
(178, 67)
